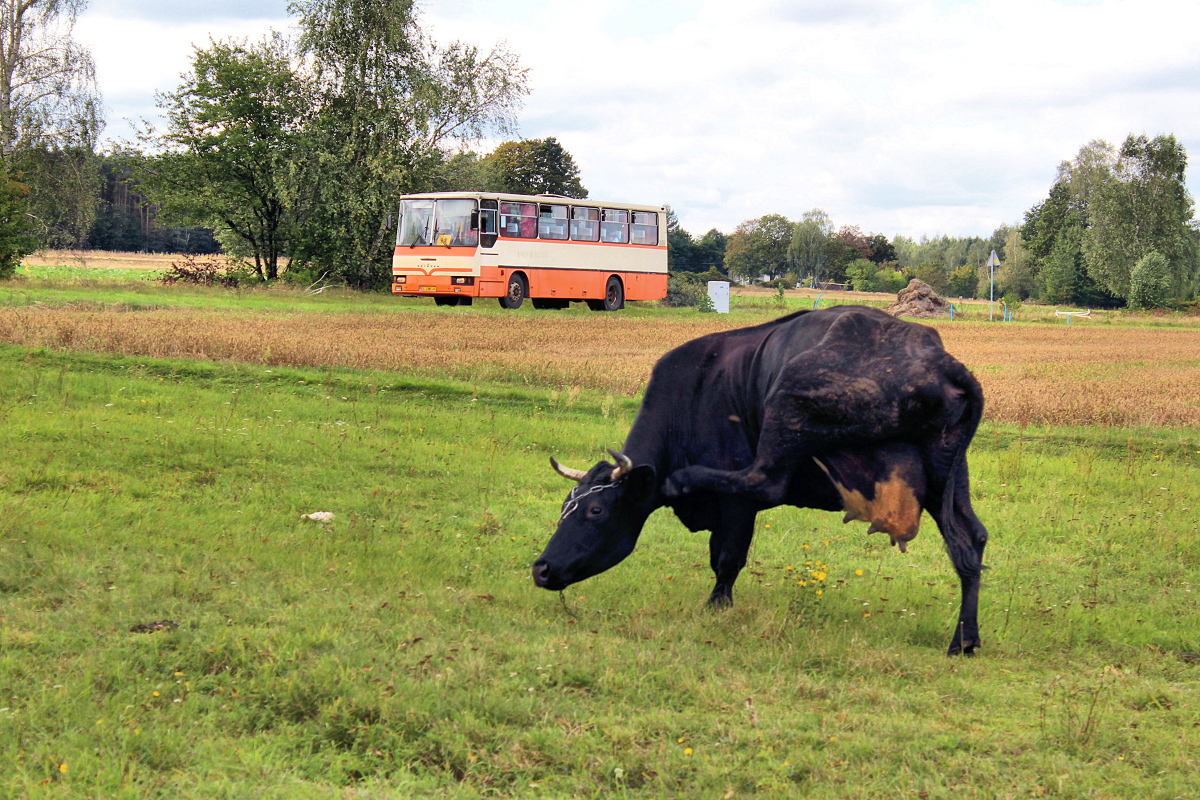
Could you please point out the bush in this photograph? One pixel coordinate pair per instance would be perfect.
(861, 275)
(684, 289)
(16, 241)
(889, 280)
(1150, 282)
(209, 272)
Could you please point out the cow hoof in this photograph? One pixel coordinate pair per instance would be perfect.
(719, 602)
(958, 650)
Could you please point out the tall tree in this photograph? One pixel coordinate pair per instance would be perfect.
(536, 166)
(50, 115)
(47, 80)
(680, 245)
(389, 101)
(1083, 176)
(1143, 208)
(1016, 275)
(709, 251)
(234, 131)
(806, 250)
(848, 244)
(882, 251)
(760, 247)
(1061, 267)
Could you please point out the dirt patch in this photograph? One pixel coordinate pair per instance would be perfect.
(919, 301)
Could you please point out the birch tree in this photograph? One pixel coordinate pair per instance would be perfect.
(48, 87)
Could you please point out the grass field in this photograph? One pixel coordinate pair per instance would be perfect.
(160, 449)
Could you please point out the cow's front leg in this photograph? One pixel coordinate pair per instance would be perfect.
(727, 548)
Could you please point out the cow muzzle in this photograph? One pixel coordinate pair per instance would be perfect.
(541, 575)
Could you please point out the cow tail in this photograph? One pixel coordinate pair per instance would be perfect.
(957, 438)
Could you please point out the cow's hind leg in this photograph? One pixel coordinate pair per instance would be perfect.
(965, 539)
(728, 546)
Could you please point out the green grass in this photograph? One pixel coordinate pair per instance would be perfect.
(401, 650)
(75, 273)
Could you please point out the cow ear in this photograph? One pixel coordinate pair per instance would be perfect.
(641, 483)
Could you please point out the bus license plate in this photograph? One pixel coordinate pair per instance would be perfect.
(427, 289)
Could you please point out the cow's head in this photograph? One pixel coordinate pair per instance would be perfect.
(600, 521)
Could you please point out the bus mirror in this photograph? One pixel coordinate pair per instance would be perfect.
(388, 225)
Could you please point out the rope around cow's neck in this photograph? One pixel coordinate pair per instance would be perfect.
(562, 595)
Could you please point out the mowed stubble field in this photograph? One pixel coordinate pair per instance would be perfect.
(1032, 374)
(162, 448)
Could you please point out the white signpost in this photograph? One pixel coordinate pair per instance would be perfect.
(993, 262)
(718, 292)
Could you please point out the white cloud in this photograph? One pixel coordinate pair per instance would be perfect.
(902, 117)
(139, 54)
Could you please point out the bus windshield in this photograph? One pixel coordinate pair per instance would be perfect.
(447, 222)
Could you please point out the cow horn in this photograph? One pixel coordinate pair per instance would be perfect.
(574, 474)
(624, 465)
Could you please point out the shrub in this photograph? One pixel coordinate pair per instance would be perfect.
(861, 274)
(889, 280)
(211, 271)
(685, 289)
(1150, 282)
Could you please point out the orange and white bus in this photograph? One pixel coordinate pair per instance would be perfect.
(456, 246)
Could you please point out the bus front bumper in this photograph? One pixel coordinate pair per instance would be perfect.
(434, 285)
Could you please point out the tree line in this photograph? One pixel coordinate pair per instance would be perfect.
(1117, 228)
(811, 251)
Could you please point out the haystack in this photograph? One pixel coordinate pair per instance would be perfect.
(920, 301)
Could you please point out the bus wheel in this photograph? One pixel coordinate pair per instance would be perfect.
(518, 290)
(445, 301)
(614, 295)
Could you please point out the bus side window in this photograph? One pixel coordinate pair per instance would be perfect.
(552, 222)
(614, 226)
(645, 228)
(518, 220)
(585, 224)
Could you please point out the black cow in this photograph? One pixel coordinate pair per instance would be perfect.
(839, 409)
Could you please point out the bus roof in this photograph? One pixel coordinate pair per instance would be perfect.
(533, 198)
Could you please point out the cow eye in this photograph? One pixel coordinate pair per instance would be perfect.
(594, 511)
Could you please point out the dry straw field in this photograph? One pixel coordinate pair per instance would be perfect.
(1032, 374)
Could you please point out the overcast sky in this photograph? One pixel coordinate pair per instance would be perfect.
(900, 116)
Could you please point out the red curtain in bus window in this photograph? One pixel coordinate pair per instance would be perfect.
(518, 220)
